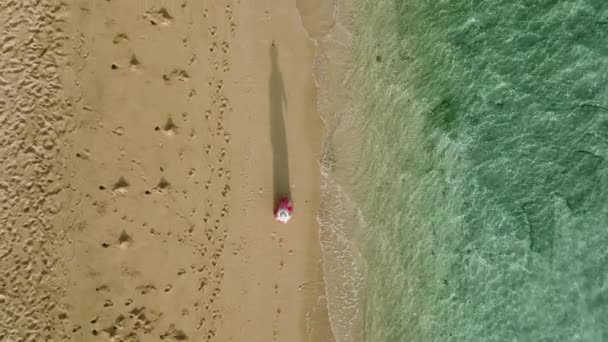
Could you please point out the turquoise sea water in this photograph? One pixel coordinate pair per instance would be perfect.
(471, 163)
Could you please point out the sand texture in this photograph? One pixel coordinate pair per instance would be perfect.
(34, 115)
(143, 146)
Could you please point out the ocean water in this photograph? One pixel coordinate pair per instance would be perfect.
(465, 188)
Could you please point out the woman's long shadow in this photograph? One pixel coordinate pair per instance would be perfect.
(278, 136)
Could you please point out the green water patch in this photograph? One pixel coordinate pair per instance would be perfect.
(488, 193)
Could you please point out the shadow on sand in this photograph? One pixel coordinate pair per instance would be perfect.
(278, 136)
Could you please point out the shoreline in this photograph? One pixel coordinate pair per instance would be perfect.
(341, 221)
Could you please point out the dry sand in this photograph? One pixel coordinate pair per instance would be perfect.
(142, 147)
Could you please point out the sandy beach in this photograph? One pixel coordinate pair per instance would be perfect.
(143, 148)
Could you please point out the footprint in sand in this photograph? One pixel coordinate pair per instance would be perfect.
(120, 38)
(134, 62)
(229, 13)
(169, 128)
(163, 184)
(158, 17)
(124, 240)
(226, 190)
(225, 47)
(173, 334)
(176, 74)
(121, 185)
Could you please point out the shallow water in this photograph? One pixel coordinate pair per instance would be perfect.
(468, 158)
